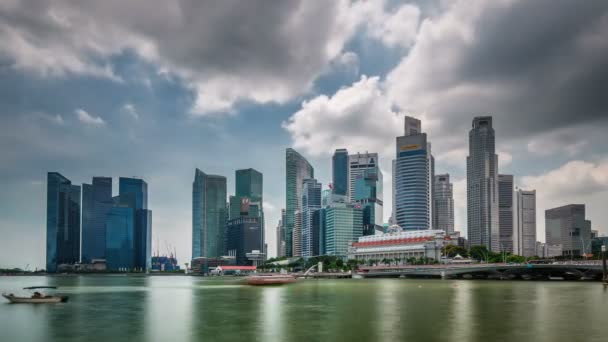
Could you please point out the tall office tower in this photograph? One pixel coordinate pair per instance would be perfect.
(391, 219)
(482, 186)
(357, 165)
(524, 227)
(249, 184)
(342, 224)
(96, 204)
(296, 241)
(368, 195)
(414, 167)
(325, 197)
(120, 236)
(280, 239)
(62, 222)
(135, 191)
(208, 215)
(443, 200)
(505, 213)
(297, 170)
(244, 240)
(311, 202)
(412, 126)
(339, 171)
(567, 226)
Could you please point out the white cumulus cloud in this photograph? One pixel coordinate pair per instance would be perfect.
(89, 119)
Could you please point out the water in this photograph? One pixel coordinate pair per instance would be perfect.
(178, 308)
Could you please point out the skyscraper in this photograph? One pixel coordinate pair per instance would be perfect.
(297, 170)
(482, 186)
(296, 241)
(443, 200)
(120, 237)
(414, 167)
(62, 222)
(311, 202)
(339, 172)
(505, 212)
(567, 226)
(135, 191)
(357, 165)
(368, 195)
(243, 238)
(342, 224)
(97, 203)
(208, 215)
(524, 230)
(280, 236)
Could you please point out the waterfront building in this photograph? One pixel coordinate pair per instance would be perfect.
(135, 192)
(209, 215)
(414, 173)
(524, 231)
(443, 201)
(280, 236)
(482, 186)
(368, 196)
(342, 225)
(244, 236)
(339, 172)
(96, 204)
(62, 222)
(296, 243)
(120, 237)
(357, 165)
(505, 213)
(297, 170)
(402, 245)
(249, 183)
(311, 202)
(567, 226)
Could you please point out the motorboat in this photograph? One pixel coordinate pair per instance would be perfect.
(270, 279)
(37, 297)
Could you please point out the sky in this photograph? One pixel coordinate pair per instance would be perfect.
(155, 89)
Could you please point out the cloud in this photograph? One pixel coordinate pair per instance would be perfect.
(89, 119)
(393, 29)
(571, 140)
(504, 158)
(129, 108)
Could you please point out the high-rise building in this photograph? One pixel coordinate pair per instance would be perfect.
(135, 192)
(368, 196)
(414, 168)
(505, 213)
(297, 170)
(120, 237)
(244, 239)
(280, 236)
(62, 222)
(482, 186)
(524, 225)
(296, 242)
(567, 226)
(209, 215)
(443, 200)
(339, 172)
(357, 165)
(96, 204)
(311, 202)
(342, 225)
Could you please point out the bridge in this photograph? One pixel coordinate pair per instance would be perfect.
(570, 271)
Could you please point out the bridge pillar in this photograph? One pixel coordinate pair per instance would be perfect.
(443, 276)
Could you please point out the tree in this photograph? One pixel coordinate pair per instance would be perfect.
(479, 252)
(452, 250)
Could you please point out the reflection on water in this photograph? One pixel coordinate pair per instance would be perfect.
(177, 308)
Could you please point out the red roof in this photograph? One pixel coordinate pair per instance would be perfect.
(241, 268)
(393, 241)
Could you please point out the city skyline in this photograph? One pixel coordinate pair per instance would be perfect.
(158, 108)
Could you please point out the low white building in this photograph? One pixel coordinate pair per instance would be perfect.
(402, 245)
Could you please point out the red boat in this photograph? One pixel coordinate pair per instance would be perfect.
(270, 279)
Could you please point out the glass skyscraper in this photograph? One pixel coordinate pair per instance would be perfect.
(120, 238)
(524, 227)
(505, 213)
(339, 172)
(135, 192)
(244, 235)
(311, 202)
(62, 222)
(343, 224)
(297, 169)
(357, 165)
(368, 195)
(208, 215)
(413, 179)
(443, 201)
(96, 204)
(482, 185)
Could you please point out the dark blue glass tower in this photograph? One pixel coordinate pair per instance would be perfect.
(97, 203)
(120, 238)
(340, 172)
(62, 222)
(133, 192)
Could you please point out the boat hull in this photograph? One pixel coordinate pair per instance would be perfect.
(42, 300)
(270, 280)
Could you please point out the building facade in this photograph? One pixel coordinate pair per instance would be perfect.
(297, 170)
(96, 204)
(368, 195)
(120, 238)
(339, 172)
(358, 164)
(296, 241)
(311, 202)
(62, 222)
(135, 190)
(209, 214)
(524, 216)
(244, 236)
(342, 225)
(567, 226)
(505, 213)
(414, 168)
(443, 201)
(482, 186)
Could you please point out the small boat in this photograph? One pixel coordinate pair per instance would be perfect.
(270, 279)
(36, 297)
